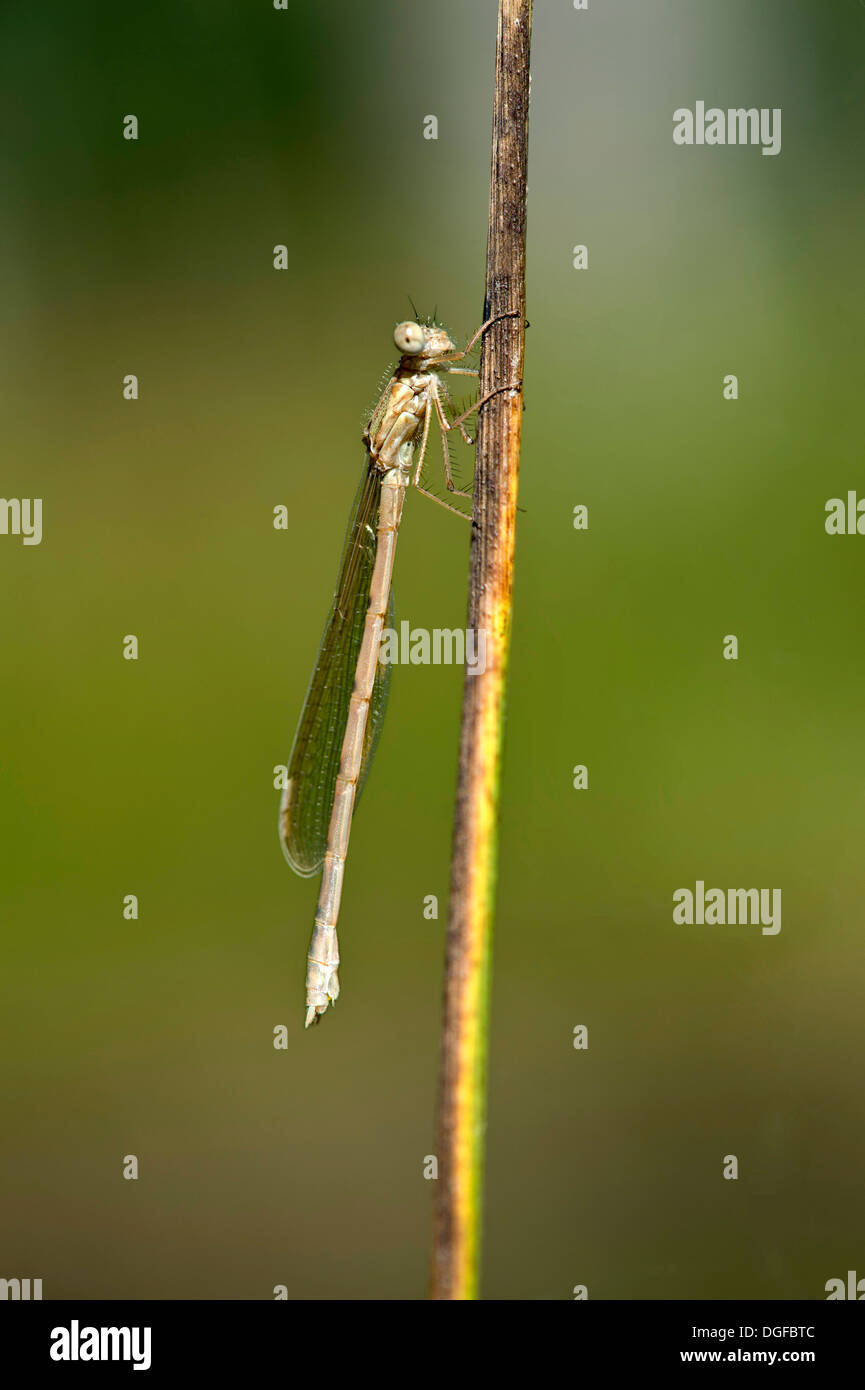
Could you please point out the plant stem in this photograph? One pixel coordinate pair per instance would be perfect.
(462, 1078)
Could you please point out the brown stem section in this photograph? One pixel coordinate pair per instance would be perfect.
(462, 1080)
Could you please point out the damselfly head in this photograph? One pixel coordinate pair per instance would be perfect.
(416, 340)
(409, 337)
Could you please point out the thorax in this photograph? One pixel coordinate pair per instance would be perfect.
(392, 432)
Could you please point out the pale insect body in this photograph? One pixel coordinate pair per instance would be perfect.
(344, 707)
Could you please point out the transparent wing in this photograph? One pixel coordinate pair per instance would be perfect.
(314, 762)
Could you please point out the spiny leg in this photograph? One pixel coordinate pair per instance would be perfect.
(447, 506)
(449, 482)
(496, 391)
(416, 476)
(422, 449)
(508, 314)
(445, 428)
(446, 393)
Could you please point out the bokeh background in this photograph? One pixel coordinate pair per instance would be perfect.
(304, 1166)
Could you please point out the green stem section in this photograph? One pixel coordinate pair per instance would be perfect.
(462, 1080)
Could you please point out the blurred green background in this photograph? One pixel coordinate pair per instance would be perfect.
(305, 1167)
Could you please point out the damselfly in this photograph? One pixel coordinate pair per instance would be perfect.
(344, 707)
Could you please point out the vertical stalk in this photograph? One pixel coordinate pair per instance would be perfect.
(462, 1078)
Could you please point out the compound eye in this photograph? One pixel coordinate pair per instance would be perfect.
(409, 337)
